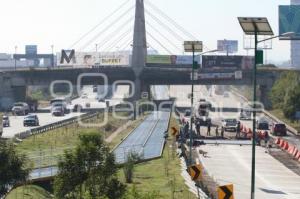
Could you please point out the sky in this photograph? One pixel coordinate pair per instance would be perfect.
(62, 22)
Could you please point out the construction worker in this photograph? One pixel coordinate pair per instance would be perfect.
(198, 126)
(222, 132)
(217, 131)
(208, 128)
(238, 130)
(186, 129)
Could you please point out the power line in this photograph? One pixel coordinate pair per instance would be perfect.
(101, 22)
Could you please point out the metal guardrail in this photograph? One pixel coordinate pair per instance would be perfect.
(59, 124)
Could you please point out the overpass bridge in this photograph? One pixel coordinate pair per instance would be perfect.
(13, 84)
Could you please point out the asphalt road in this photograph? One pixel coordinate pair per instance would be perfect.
(16, 122)
(230, 164)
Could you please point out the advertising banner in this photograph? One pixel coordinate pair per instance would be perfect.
(222, 62)
(289, 20)
(230, 46)
(158, 59)
(172, 59)
(86, 59)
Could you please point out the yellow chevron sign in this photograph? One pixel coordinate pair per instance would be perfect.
(195, 172)
(225, 192)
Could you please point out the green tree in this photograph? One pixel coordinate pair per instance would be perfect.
(88, 172)
(12, 167)
(292, 103)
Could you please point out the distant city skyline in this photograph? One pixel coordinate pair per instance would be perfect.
(61, 23)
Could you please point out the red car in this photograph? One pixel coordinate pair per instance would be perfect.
(279, 129)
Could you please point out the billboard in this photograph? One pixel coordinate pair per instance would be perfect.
(227, 62)
(172, 59)
(230, 46)
(86, 59)
(31, 49)
(289, 20)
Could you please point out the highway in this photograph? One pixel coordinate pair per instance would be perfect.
(16, 122)
(228, 163)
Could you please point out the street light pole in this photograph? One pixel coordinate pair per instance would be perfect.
(192, 102)
(254, 117)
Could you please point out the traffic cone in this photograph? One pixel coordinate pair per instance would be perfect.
(286, 145)
(291, 149)
(296, 151)
(281, 144)
(277, 141)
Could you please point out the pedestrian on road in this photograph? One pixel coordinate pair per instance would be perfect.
(208, 129)
(266, 139)
(222, 132)
(217, 131)
(198, 128)
(186, 129)
(238, 130)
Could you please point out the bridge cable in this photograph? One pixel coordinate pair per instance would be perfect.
(172, 43)
(109, 37)
(159, 43)
(175, 24)
(100, 23)
(164, 26)
(106, 28)
(118, 39)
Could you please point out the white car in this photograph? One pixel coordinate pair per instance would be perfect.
(20, 108)
(229, 124)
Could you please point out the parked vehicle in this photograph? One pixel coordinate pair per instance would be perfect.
(203, 108)
(229, 124)
(31, 120)
(5, 121)
(20, 108)
(279, 129)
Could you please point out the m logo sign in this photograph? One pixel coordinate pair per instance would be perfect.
(67, 56)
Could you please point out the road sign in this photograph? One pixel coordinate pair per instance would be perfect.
(174, 131)
(195, 172)
(225, 192)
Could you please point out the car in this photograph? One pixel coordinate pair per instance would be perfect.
(262, 124)
(84, 96)
(20, 108)
(279, 129)
(57, 110)
(229, 124)
(245, 114)
(31, 120)
(5, 121)
(77, 108)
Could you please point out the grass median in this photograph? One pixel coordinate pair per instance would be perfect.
(44, 149)
(162, 175)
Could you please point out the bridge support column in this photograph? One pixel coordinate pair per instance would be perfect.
(264, 95)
